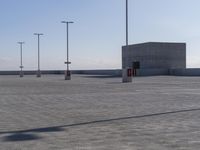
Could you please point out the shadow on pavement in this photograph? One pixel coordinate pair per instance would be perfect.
(17, 137)
(27, 135)
(23, 135)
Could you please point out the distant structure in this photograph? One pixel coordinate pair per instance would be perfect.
(154, 55)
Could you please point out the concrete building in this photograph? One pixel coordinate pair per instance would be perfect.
(155, 55)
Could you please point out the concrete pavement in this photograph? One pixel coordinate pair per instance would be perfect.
(99, 113)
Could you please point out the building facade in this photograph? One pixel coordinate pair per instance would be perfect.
(155, 55)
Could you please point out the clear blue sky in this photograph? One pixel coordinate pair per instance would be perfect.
(98, 33)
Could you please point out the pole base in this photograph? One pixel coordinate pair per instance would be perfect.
(38, 74)
(126, 75)
(21, 74)
(67, 75)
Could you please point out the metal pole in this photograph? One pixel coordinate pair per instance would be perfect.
(21, 63)
(38, 52)
(21, 55)
(67, 73)
(126, 22)
(125, 74)
(67, 46)
(38, 71)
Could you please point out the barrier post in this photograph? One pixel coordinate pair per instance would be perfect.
(127, 75)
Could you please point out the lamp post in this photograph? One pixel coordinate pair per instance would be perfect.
(126, 22)
(67, 72)
(127, 71)
(38, 71)
(21, 74)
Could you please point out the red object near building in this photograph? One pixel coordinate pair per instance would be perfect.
(129, 72)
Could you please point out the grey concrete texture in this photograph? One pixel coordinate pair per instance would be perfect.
(155, 55)
(99, 113)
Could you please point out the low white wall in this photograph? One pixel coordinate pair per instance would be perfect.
(114, 72)
(31, 72)
(117, 72)
(185, 72)
(173, 72)
(152, 72)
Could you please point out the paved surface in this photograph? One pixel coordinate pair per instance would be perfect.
(96, 113)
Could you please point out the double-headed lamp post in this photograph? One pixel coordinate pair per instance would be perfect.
(21, 74)
(38, 71)
(67, 72)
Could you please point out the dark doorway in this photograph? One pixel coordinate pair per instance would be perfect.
(135, 66)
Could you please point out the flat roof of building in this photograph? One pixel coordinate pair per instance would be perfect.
(150, 43)
(99, 112)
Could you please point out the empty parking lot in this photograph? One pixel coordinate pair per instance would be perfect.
(99, 113)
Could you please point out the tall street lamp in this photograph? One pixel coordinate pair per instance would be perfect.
(21, 74)
(126, 22)
(67, 72)
(38, 71)
(126, 72)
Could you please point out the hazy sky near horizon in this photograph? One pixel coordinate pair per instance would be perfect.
(98, 31)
